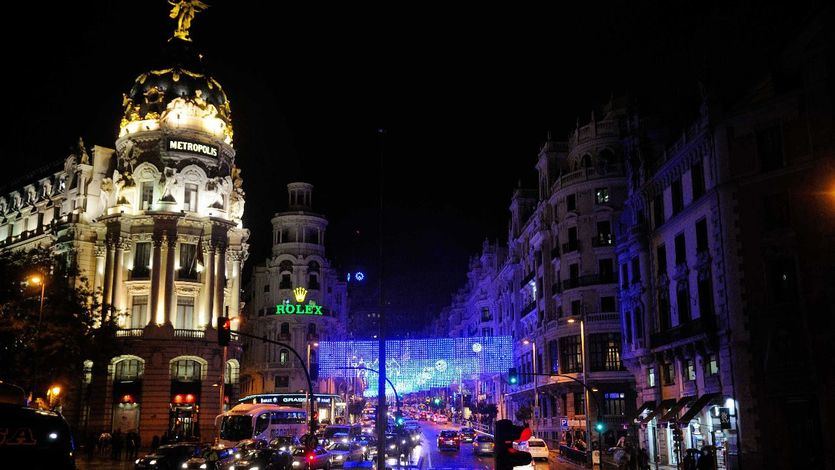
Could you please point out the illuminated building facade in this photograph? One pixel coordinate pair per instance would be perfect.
(153, 224)
(295, 297)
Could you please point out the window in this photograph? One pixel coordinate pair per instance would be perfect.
(770, 148)
(606, 270)
(651, 380)
(604, 233)
(678, 196)
(570, 354)
(690, 367)
(139, 311)
(579, 403)
(661, 259)
(658, 209)
(664, 321)
(624, 276)
(485, 314)
(705, 287)
(190, 197)
(627, 326)
(188, 261)
(185, 313)
(284, 357)
(697, 179)
(128, 370)
(668, 373)
(141, 261)
(185, 370)
(146, 196)
(313, 281)
(614, 404)
(553, 351)
(576, 307)
(601, 195)
(572, 240)
(605, 351)
(285, 329)
(311, 328)
(636, 270)
(683, 301)
(701, 236)
(607, 304)
(286, 282)
(681, 249)
(571, 202)
(267, 287)
(233, 373)
(711, 365)
(282, 381)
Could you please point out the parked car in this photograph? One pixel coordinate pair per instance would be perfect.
(33, 438)
(168, 457)
(467, 434)
(535, 446)
(266, 458)
(342, 452)
(483, 445)
(449, 440)
(317, 459)
(285, 443)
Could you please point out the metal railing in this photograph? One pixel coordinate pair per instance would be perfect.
(191, 334)
(129, 332)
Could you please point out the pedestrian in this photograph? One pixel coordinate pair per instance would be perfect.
(116, 445)
(155, 442)
(130, 445)
(137, 444)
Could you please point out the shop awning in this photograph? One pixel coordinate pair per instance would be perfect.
(647, 406)
(699, 405)
(662, 408)
(672, 415)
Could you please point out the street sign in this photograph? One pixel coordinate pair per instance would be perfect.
(564, 423)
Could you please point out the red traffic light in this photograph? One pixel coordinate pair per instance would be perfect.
(224, 331)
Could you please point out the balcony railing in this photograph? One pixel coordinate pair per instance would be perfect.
(129, 333)
(191, 334)
(589, 280)
(690, 329)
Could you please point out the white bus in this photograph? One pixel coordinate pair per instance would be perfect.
(260, 421)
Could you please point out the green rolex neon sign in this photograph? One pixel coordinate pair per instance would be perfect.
(299, 293)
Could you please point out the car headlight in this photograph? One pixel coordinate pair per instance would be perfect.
(338, 457)
(364, 449)
(152, 462)
(392, 446)
(283, 448)
(202, 465)
(231, 467)
(253, 468)
(237, 456)
(185, 465)
(296, 464)
(137, 461)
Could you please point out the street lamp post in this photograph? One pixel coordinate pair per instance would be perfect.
(37, 279)
(535, 383)
(309, 346)
(585, 374)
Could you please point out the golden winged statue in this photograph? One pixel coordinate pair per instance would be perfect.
(184, 11)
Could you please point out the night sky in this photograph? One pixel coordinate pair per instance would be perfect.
(467, 97)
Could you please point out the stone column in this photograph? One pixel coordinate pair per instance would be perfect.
(169, 297)
(98, 276)
(208, 285)
(235, 288)
(156, 269)
(118, 276)
(220, 281)
(107, 293)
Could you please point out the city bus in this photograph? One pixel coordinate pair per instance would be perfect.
(260, 421)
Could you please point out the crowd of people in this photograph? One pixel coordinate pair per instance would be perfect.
(117, 445)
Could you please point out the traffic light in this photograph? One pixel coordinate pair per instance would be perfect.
(512, 376)
(399, 420)
(599, 426)
(224, 331)
(437, 401)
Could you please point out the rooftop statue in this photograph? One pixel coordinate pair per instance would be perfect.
(184, 11)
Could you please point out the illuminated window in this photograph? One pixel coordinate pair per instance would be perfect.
(283, 357)
(129, 370)
(190, 197)
(185, 370)
(139, 311)
(651, 380)
(141, 261)
(188, 261)
(570, 354)
(233, 372)
(614, 404)
(146, 195)
(185, 313)
(712, 364)
(690, 366)
(601, 195)
(605, 351)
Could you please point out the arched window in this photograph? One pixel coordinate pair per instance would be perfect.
(585, 162)
(128, 370)
(185, 370)
(285, 328)
(284, 357)
(313, 275)
(233, 372)
(285, 266)
(313, 267)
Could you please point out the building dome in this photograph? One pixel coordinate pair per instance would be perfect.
(177, 97)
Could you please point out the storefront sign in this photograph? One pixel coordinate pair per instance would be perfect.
(192, 147)
(299, 294)
(724, 418)
(289, 399)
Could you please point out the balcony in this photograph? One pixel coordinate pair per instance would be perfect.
(528, 308)
(589, 280)
(129, 333)
(572, 245)
(693, 328)
(189, 334)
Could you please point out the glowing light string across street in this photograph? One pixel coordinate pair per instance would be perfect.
(417, 364)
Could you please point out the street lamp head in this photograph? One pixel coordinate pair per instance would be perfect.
(571, 320)
(35, 279)
(315, 345)
(56, 390)
(526, 342)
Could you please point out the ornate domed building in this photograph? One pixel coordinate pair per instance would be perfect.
(154, 225)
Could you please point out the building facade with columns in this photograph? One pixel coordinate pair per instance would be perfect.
(154, 226)
(295, 297)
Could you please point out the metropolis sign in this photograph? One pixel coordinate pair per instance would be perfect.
(192, 147)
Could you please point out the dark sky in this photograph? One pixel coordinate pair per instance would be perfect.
(467, 97)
